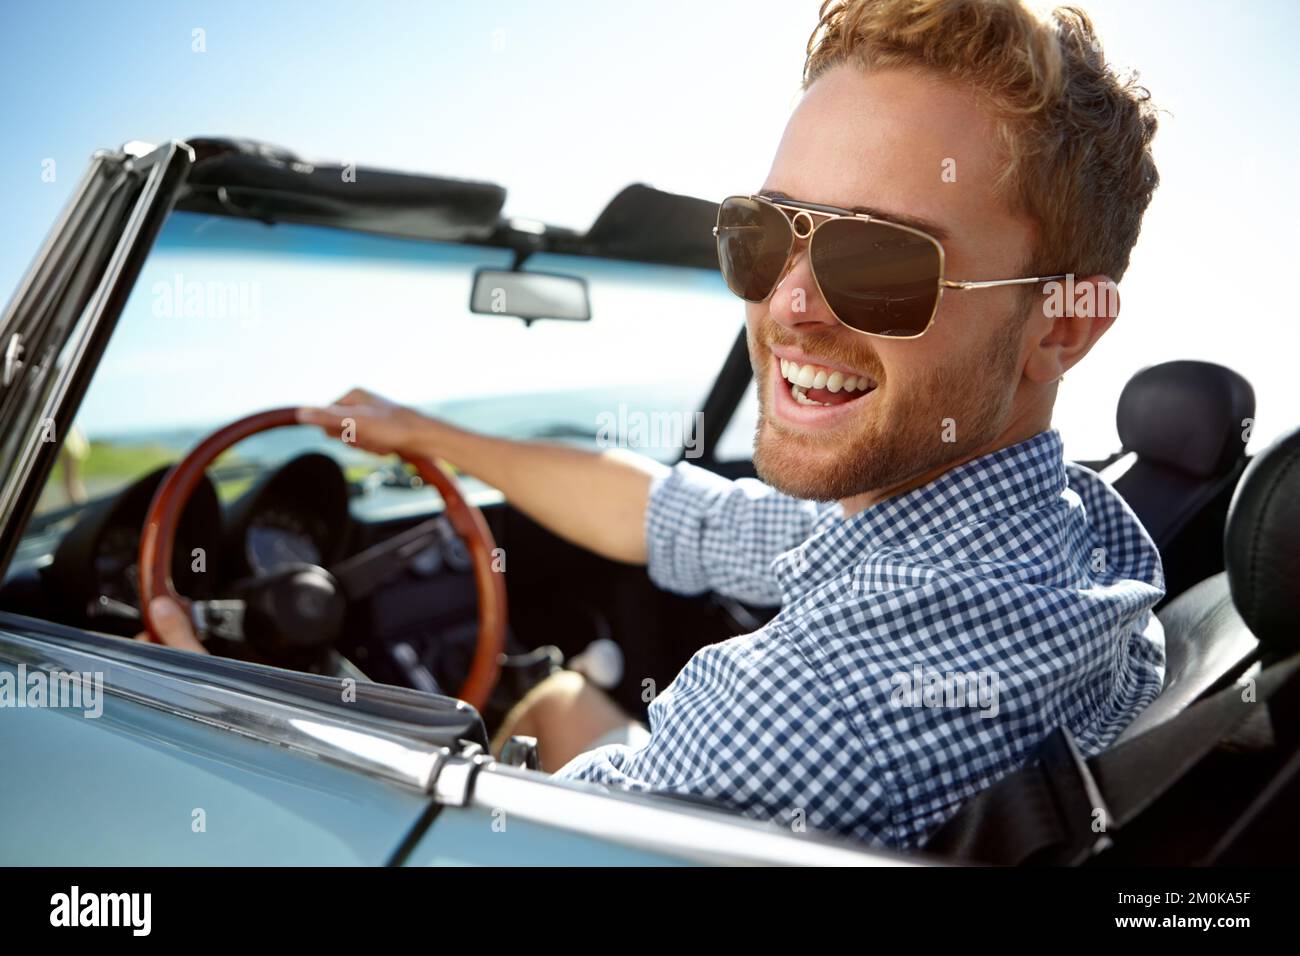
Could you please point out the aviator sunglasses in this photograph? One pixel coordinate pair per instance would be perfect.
(877, 277)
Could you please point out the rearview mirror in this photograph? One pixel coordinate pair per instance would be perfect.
(530, 295)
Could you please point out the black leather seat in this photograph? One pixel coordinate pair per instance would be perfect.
(1206, 641)
(1181, 426)
(1213, 782)
(1252, 610)
(1262, 547)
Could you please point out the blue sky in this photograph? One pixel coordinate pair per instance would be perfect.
(566, 102)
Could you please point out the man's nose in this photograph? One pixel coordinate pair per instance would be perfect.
(795, 302)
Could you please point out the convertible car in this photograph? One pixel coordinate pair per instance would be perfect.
(373, 620)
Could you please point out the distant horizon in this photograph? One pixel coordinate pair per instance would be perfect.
(607, 394)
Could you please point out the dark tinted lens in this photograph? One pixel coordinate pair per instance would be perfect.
(877, 277)
(754, 241)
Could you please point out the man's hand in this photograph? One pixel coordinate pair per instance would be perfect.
(377, 425)
(174, 627)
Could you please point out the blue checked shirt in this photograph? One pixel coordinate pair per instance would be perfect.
(923, 648)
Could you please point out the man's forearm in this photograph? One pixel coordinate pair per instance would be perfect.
(594, 499)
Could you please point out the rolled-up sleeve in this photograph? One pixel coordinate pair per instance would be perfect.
(708, 533)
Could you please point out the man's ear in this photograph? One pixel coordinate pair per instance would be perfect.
(1066, 322)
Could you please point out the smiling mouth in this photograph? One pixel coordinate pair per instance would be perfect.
(815, 385)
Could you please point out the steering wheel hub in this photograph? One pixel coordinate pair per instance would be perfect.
(298, 610)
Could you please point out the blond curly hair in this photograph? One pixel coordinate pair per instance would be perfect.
(1076, 135)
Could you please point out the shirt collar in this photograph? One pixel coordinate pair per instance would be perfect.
(1021, 476)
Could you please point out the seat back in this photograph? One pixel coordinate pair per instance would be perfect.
(1206, 642)
(1250, 611)
(1183, 426)
(1262, 548)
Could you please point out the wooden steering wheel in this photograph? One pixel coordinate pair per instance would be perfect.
(301, 607)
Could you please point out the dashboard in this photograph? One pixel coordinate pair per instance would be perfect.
(87, 575)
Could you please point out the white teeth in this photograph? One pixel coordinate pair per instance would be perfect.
(802, 398)
(812, 376)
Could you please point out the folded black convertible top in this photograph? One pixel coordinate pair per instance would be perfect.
(248, 179)
(260, 181)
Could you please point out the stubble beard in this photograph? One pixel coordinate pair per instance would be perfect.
(944, 415)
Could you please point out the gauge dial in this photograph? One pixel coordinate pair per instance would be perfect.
(116, 564)
(277, 538)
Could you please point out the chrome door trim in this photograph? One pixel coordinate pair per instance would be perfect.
(709, 837)
(351, 743)
(56, 236)
(166, 173)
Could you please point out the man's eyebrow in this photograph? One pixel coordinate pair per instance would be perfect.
(925, 225)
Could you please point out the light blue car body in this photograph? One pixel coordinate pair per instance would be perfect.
(123, 789)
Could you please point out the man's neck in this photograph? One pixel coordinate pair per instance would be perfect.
(1020, 428)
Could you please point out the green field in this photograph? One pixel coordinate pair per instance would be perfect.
(109, 466)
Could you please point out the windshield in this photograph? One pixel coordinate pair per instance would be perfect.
(231, 316)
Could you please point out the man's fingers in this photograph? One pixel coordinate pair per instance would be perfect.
(330, 418)
(173, 627)
(322, 417)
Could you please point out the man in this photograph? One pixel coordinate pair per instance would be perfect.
(951, 590)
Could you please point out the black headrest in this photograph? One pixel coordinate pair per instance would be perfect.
(1262, 545)
(1186, 415)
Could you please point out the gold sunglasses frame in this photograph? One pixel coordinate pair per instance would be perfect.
(805, 211)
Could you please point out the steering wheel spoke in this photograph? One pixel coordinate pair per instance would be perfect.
(364, 572)
(223, 618)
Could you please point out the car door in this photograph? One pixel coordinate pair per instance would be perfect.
(169, 766)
